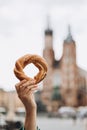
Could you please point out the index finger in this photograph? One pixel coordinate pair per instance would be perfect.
(19, 84)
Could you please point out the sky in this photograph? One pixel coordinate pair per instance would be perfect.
(22, 25)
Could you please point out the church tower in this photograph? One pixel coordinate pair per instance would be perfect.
(69, 71)
(48, 52)
(69, 49)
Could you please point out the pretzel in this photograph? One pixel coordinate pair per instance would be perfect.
(38, 61)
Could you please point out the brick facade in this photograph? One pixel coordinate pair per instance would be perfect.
(64, 73)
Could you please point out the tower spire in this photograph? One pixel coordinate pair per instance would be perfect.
(69, 36)
(48, 22)
(69, 32)
(48, 31)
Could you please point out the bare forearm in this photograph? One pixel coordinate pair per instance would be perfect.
(30, 120)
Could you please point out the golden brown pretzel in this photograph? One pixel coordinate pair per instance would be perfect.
(38, 61)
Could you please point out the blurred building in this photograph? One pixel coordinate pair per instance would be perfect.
(3, 98)
(9, 101)
(64, 76)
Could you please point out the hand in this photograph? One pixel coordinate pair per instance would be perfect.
(25, 91)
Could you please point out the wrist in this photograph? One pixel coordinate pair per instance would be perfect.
(30, 111)
(30, 120)
(30, 106)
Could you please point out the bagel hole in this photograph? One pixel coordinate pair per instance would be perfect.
(31, 70)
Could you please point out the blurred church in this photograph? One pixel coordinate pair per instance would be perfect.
(65, 80)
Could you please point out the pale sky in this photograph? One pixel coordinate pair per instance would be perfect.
(22, 25)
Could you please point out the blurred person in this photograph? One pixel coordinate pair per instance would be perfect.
(25, 90)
